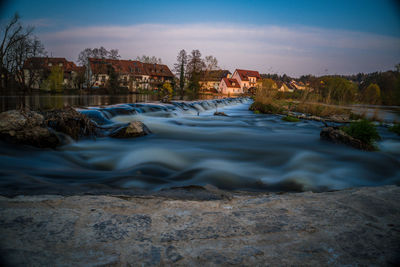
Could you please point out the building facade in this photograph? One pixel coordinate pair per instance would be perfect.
(230, 86)
(131, 74)
(37, 69)
(246, 78)
(210, 80)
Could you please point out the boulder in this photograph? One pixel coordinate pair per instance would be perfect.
(133, 129)
(16, 120)
(70, 122)
(26, 128)
(218, 113)
(336, 135)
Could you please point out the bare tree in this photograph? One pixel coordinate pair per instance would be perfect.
(114, 54)
(20, 52)
(98, 53)
(195, 63)
(211, 63)
(11, 36)
(148, 59)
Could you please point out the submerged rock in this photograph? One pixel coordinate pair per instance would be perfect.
(219, 113)
(338, 136)
(133, 129)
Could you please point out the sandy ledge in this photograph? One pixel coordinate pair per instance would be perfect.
(350, 227)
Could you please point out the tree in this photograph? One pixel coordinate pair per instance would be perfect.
(179, 69)
(16, 45)
(338, 90)
(99, 53)
(113, 81)
(148, 59)
(211, 63)
(54, 81)
(23, 50)
(194, 66)
(167, 91)
(372, 94)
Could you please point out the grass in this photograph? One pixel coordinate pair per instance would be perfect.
(395, 128)
(363, 130)
(290, 119)
(274, 102)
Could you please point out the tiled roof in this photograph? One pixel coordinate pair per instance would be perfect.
(214, 75)
(245, 74)
(100, 66)
(48, 62)
(231, 83)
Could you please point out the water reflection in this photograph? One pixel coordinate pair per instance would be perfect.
(48, 101)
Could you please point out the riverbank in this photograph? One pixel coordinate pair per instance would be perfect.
(349, 227)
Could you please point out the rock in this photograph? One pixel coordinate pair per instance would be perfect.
(348, 227)
(17, 120)
(218, 113)
(26, 128)
(338, 136)
(70, 122)
(133, 129)
(47, 130)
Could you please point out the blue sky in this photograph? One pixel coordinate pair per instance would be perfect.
(295, 37)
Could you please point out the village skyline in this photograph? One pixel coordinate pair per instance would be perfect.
(364, 37)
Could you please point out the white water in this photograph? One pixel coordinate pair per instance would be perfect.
(190, 146)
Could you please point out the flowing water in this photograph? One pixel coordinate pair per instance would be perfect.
(191, 146)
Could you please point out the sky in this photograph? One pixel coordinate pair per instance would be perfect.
(292, 37)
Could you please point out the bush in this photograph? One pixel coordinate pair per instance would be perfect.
(363, 130)
(290, 119)
(265, 108)
(395, 128)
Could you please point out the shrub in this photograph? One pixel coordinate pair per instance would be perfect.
(265, 108)
(395, 128)
(290, 119)
(363, 130)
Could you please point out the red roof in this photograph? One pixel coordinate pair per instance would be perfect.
(245, 74)
(99, 66)
(48, 62)
(231, 83)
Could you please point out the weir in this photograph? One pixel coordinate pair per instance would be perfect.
(190, 146)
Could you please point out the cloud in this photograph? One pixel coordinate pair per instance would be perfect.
(291, 50)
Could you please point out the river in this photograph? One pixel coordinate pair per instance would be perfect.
(191, 146)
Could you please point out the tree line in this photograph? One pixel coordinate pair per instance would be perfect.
(372, 88)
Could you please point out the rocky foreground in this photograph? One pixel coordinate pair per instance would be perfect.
(349, 227)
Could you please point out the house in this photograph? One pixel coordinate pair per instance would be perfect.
(131, 74)
(297, 85)
(210, 80)
(282, 87)
(37, 69)
(246, 78)
(230, 86)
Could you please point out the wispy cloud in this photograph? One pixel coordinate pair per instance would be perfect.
(291, 50)
(40, 23)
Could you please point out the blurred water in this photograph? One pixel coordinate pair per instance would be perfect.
(191, 146)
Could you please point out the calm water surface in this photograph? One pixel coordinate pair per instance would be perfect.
(190, 146)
